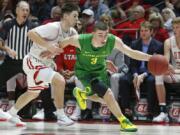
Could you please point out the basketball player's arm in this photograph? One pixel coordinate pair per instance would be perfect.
(167, 49)
(130, 52)
(35, 37)
(73, 40)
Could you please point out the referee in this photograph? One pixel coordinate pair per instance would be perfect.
(14, 41)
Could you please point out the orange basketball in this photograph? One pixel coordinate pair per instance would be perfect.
(158, 64)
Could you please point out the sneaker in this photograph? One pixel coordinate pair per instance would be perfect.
(162, 117)
(79, 95)
(127, 126)
(76, 114)
(63, 120)
(39, 115)
(15, 120)
(4, 116)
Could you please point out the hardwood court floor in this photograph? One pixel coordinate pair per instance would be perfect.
(81, 128)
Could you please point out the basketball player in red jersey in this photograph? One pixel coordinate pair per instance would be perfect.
(171, 45)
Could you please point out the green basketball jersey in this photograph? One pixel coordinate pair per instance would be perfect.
(91, 61)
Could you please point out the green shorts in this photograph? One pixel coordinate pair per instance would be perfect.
(86, 82)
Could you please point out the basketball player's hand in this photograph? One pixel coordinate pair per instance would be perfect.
(111, 67)
(54, 49)
(47, 54)
(170, 71)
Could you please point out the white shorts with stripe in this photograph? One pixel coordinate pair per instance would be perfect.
(39, 76)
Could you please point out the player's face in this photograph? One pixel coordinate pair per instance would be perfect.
(101, 36)
(145, 33)
(72, 18)
(176, 29)
(23, 11)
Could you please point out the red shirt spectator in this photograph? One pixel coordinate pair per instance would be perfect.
(161, 34)
(129, 25)
(138, 13)
(67, 59)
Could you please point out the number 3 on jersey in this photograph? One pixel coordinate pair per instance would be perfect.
(93, 61)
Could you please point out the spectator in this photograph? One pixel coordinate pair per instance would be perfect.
(55, 15)
(118, 59)
(159, 32)
(98, 8)
(138, 77)
(41, 10)
(173, 5)
(108, 20)
(168, 15)
(132, 25)
(172, 53)
(80, 26)
(88, 20)
(5, 5)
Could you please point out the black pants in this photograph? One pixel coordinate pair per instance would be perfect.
(147, 87)
(8, 69)
(47, 101)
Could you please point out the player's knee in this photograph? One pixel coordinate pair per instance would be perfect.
(109, 94)
(58, 79)
(33, 94)
(98, 87)
(159, 80)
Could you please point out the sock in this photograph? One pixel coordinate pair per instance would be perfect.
(60, 112)
(13, 111)
(163, 108)
(121, 118)
(162, 103)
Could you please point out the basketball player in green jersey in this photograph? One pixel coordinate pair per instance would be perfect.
(92, 50)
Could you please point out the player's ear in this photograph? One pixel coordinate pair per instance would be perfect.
(17, 8)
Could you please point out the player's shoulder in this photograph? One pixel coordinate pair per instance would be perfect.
(85, 36)
(53, 24)
(168, 40)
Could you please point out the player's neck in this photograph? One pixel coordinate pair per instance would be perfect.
(96, 43)
(64, 26)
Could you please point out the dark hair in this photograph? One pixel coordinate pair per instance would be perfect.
(146, 24)
(68, 8)
(101, 26)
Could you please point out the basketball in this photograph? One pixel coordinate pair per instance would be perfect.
(158, 64)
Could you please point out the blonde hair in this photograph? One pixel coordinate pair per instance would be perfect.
(106, 19)
(156, 16)
(172, 14)
(176, 20)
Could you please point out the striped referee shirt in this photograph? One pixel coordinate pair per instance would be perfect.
(15, 37)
